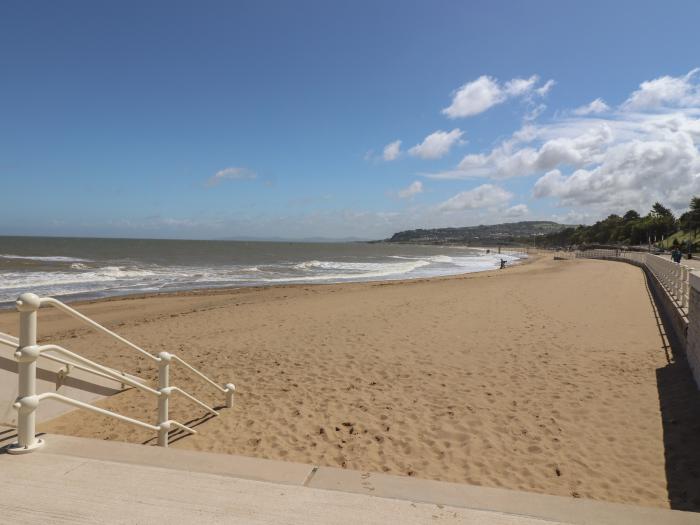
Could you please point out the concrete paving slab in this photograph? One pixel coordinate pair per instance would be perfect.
(557, 508)
(182, 466)
(188, 460)
(56, 489)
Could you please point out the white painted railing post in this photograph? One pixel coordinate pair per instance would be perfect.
(164, 398)
(230, 390)
(686, 287)
(27, 354)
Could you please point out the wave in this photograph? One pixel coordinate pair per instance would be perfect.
(48, 258)
(89, 281)
(364, 270)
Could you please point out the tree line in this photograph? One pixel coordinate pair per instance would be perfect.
(631, 228)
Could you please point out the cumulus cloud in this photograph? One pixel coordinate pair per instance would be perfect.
(233, 173)
(484, 196)
(665, 91)
(392, 150)
(517, 211)
(597, 106)
(412, 190)
(436, 144)
(598, 159)
(632, 174)
(510, 159)
(485, 92)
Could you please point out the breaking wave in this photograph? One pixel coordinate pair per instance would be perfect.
(85, 278)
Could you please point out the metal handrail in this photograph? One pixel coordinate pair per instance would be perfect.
(111, 374)
(83, 360)
(194, 400)
(80, 367)
(200, 374)
(227, 389)
(30, 403)
(27, 352)
(13, 342)
(50, 301)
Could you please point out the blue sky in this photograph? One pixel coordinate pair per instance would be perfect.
(281, 119)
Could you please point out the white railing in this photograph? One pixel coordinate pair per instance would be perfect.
(27, 353)
(13, 343)
(673, 277)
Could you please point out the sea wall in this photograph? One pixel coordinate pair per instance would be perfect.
(693, 339)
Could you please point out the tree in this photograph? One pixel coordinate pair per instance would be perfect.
(659, 210)
(661, 221)
(693, 219)
(631, 215)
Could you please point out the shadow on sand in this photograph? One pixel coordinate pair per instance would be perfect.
(679, 401)
(178, 434)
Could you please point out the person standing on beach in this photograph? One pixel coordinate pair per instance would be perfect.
(503, 263)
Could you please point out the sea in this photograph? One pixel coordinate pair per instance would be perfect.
(89, 268)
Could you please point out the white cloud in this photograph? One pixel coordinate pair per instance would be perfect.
(595, 107)
(664, 92)
(413, 189)
(484, 196)
(535, 112)
(546, 88)
(510, 160)
(233, 173)
(597, 160)
(436, 144)
(392, 150)
(520, 86)
(485, 92)
(632, 174)
(519, 210)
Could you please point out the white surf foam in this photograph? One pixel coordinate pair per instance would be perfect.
(48, 258)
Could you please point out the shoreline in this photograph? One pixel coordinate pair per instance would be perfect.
(9, 306)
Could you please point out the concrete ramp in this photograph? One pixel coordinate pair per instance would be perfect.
(78, 480)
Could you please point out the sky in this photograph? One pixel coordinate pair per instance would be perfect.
(259, 119)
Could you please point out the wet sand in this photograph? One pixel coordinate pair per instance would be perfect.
(541, 377)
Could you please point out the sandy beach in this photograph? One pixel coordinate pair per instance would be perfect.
(544, 377)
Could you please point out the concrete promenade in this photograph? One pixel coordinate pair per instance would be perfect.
(78, 480)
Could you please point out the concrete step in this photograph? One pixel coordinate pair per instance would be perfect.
(78, 480)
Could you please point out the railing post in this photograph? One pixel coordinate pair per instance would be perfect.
(26, 354)
(230, 390)
(164, 398)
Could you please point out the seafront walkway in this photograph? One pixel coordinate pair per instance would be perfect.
(79, 480)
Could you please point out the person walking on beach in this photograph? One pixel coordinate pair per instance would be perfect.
(503, 263)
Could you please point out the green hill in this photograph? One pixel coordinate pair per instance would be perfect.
(506, 233)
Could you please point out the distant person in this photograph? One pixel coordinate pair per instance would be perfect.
(676, 255)
(503, 263)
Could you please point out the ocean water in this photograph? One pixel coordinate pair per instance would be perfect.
(77, 268)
